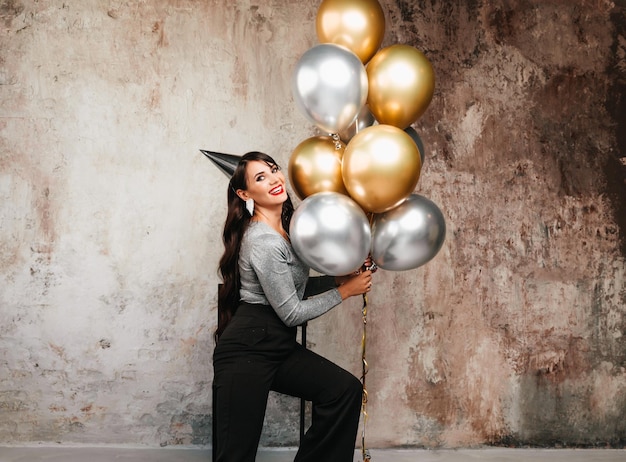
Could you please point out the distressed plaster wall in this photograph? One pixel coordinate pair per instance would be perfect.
(110, 220)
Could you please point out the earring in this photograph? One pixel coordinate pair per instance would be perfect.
(250, 206)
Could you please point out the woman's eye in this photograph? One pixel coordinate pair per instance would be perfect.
(275, 169)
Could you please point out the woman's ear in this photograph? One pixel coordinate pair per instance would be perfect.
(243, 195)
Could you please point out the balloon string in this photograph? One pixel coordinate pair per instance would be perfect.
(337, 140)
(364, 451)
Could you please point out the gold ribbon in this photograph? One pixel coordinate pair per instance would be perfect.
(364, 450)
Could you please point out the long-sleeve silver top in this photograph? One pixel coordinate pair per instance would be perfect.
(272, 274)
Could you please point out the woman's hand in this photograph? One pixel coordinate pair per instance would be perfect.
(357, 283)
(367, 265)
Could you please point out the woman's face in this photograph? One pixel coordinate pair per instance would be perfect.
(266, 184)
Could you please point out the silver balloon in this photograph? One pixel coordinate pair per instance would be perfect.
(330, 233)
(330, 86)
(408, 235)
(363, 120)
(418, 141)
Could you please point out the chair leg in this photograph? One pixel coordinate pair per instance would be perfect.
(302, 410)
(302, 401)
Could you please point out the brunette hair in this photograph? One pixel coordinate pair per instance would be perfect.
(237, 220)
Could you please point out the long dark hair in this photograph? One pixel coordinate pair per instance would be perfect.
(237, 220)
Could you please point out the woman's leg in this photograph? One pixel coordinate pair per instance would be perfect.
(246, 358)
(239, 410)
(336, 396)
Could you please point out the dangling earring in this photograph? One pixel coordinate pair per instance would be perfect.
(250, 206)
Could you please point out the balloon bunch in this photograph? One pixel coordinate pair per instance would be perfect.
(357, 181)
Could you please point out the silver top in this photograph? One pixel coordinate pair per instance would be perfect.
(272, 274)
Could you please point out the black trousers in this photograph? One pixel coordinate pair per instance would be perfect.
(257, 353)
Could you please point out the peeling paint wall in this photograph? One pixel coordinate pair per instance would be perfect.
(110, 220)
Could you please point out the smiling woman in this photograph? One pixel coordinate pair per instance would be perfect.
(260, 304)
(266, 189)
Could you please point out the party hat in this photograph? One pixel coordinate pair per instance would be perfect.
(225, 162)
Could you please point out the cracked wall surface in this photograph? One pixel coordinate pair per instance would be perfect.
(110, 220)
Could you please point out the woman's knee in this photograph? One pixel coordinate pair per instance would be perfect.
(351, 388)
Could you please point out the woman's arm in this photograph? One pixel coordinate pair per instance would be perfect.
(270, 263)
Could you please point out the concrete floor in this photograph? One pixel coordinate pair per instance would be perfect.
(124, 454)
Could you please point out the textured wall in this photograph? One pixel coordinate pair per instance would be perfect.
(110, 220)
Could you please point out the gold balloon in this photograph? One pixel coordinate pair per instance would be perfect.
(401, 85)
(381, 167)
(358, 25)
(315, 166)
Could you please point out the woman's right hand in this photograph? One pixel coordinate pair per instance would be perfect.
(355, 284)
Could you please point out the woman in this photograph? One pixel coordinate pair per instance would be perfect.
(260, 303)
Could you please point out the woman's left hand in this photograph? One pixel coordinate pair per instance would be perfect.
(368, 265)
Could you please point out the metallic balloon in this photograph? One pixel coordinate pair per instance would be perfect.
(330, 233)
(409, 235)
(418, 141)
(381, 167)
(315, 166)
(359, 25)
(401, 85)
(330, 86)
(364, 119)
